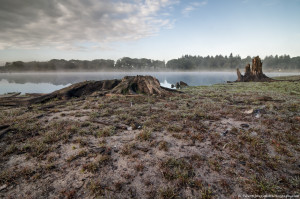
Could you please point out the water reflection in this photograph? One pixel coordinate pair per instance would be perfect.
(28, 87)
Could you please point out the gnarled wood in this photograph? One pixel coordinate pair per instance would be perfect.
(78, 90)
(239, 75)
(129, 85)
(253, 74)
(140, 85)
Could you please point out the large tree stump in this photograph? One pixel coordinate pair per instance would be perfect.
(140, 85)
(129, 85)
(253, 74)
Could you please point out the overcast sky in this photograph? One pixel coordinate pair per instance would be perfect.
(157, 29)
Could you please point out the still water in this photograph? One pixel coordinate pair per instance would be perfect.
(49, 82)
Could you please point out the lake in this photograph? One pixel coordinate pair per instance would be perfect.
(49, 82)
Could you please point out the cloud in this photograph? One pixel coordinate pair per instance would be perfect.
(69, 24)
(192, 6)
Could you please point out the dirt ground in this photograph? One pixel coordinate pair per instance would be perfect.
(221, 141)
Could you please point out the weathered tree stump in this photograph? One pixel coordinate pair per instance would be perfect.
(140, 85)
(129, 85)
(253, 74)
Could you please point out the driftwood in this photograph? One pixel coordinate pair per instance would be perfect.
(78, 90)
(129, 85)
(254, 73)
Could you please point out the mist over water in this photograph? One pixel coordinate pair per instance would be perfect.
(49, 82)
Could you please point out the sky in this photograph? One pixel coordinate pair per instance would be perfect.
(41, 30)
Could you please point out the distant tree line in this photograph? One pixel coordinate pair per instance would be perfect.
(219, 62)
(127, 63)
(184, 63)
(55, 64)
(284, 62)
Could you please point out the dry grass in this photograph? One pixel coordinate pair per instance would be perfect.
(190, 145)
